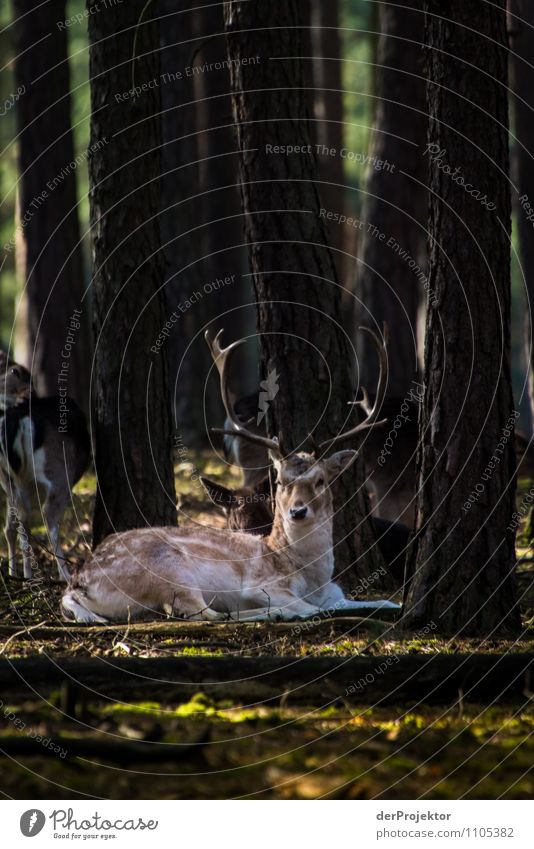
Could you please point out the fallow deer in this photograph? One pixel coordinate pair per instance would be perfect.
(40, 454)
(250, 510)
(391, 483)
(204, 573)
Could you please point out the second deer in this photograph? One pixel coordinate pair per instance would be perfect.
(40, 461)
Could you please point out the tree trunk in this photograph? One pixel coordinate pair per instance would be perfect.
(57, 315)
(395, 202)
(201, 218)
(464, 551)
(182, 220)
(224, 253)
(521, 23)
(131, 413)
(302, 345)
(328, 109)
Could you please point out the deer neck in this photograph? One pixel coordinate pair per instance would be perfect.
(304, 549)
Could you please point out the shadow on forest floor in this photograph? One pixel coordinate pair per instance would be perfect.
(266, 749)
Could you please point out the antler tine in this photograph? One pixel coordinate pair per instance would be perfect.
(221, 357)
(371, 412)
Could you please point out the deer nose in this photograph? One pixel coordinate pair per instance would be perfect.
(298, 512)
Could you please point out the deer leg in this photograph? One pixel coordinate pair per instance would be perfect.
(20, 517)
(348, 604)
(333, 599)
(53, 510)
(10, 531)
(294, 609)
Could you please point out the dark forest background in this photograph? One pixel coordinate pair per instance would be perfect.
(349, 123)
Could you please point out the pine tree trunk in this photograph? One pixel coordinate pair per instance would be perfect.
(521, 24)
(302, 342)
(49, 248)
(201, 224)
(328, 109)
(182, 219)
(396, 197)
(132, 420)
(464, 552)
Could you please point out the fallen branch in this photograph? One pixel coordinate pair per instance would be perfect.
(312, 680)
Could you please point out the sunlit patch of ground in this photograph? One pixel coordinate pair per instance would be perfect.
(474, 752)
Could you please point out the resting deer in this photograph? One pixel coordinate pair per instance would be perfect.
(250, 510)
(38, 454)
(205, 573)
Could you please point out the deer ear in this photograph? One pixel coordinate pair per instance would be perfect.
(263, 488)
(277, 463)
(340, 462)
(220, 495)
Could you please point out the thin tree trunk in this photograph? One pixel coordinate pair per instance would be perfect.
(302, 345)
(132, 419)
(57, 317)
(464, 551)
(389, 284)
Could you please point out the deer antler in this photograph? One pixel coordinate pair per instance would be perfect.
(371, 413)
(221, 357)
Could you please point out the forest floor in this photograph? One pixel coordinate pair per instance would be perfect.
(338, 741)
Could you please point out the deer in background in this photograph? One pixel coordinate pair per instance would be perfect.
(37, 457)
(212, 574)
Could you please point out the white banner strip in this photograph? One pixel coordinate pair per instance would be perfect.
(246, 824)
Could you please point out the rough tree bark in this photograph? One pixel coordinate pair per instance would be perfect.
(328, 109)
(395, 201)
(132, 421)
(294, 275)
(181, 219)
(223, 245)
(521, 59)
(49, 251)
(201, 219)
(464, 551)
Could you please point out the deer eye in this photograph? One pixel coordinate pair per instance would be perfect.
(15, 371)
(319, 482)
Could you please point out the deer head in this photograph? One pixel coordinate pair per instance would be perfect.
(303, 493)
(246, 510)
(15, 382)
